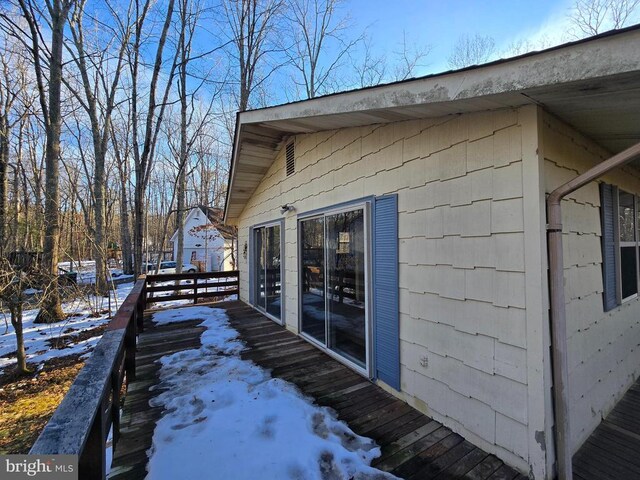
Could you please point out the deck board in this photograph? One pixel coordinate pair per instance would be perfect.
(613, 449)
(139, 418)
(412, 444)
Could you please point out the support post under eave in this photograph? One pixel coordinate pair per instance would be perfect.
(558, 313)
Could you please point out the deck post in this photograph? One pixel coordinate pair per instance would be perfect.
(92, 461)
(115, 404)
(195, 290)
(141, 305)
(130, 346)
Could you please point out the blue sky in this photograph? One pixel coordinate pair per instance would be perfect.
(441, 23)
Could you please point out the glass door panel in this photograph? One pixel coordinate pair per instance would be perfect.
(258, 241)
(267, 267)
(272, 270)
(345, 277)
(312, 275)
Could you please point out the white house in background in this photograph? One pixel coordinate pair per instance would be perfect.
(207, 242)
(403, 228)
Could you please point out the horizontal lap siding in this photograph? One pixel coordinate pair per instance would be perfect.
(461, 260)
(603, 352)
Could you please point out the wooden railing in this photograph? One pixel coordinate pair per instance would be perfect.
(81, 424)
(192, 286)
(91, 408)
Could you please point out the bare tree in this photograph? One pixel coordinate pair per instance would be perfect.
(187, 25)
(591, 17)
(12, 285)
(409, 58)
(253, 25)
(321, 43)
(97, 97)
(144, 139)
(12, 86)
(523, 45)
(371, 69)
(474, 50)
(49, 90)
(122, 152)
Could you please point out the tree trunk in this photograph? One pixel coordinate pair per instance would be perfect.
(15, 221)
(99, 246)
(16, 190)
(180, 218)
(182, 165)
(4, 182)
(143, 159)
(138, 227)
(125, 233)
(51, 310)
(16, 321)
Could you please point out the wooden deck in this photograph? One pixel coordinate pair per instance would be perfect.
(613, 450)
(138, 417)
(413, 445)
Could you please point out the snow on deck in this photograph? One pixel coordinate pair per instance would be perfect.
(226, 417)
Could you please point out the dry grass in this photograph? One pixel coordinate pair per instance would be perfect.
(27, 403)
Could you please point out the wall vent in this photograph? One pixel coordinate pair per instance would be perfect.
(291, 159)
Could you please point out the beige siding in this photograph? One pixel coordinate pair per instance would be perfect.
(463, 326)
(604, 357)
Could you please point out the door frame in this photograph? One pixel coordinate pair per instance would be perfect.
(253, 270)
(366, 205)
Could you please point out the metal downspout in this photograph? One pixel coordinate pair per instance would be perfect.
(557, 300)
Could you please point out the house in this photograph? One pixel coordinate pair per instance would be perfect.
(403, 228)
(208, 243)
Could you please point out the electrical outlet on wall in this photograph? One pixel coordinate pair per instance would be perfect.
(424, 361)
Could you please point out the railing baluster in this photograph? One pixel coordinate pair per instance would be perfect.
(141, 305)
(92, 461)
(115, 405)
(130, 347)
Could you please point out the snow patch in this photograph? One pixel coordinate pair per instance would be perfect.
(228, 418)
(38, 337)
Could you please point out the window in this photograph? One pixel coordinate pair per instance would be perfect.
(628, 244)
(620, 245)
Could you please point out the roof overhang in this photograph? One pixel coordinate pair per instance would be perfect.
(592, 84)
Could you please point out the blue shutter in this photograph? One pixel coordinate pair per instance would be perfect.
(385, 290)
(609, 277)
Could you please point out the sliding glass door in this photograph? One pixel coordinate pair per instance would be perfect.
(267, 285)
(312, 289)
(346, 302)
(333, 256)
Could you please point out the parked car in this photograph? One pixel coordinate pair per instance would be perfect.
(170, 267)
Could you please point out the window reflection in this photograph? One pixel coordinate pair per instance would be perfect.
(627, 218)
(333, 292)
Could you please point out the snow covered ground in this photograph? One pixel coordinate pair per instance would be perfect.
(228, 418)
(86, 270)
(38, 337)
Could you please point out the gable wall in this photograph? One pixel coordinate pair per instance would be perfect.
(463, 323)
(195, 241)
(604, 357)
